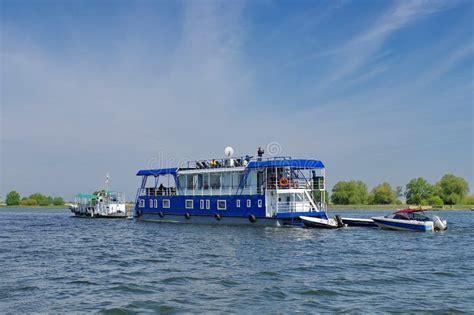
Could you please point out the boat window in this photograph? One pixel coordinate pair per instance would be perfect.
(199, 182)
(142, 203)
(206, 181)
(260, 203)
(189, 204)
(151, 203)
(166, 203)
(237, 203)
(208, 204)
(249, 203)
(216, 181)
(201, 204)
(189, 182)
(221, 204)
(156, 203)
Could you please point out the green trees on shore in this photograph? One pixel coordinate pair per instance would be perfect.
(450, 190)
(419, 191)
(350, 193)
(14, 199)
(383, 194)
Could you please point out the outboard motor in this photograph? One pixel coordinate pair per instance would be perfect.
(438, 224)
(339, 221)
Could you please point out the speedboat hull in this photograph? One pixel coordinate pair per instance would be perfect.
(403, 225)
(359, 222)
(320, 223)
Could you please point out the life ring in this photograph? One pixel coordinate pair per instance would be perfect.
(284, 182)
(161, 214)
(252, 218)
(218, 217)
(187, 216)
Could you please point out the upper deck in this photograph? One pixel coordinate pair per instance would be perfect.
(234, 176)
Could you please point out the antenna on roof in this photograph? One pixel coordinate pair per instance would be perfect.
(107, 182)
(229, 151)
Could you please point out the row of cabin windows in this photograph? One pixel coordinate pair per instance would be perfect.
(221, 204)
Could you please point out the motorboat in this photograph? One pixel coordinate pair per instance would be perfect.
(411, 220)
(359, 222)
(329, 223)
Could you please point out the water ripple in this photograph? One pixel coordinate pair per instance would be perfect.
(53, 263)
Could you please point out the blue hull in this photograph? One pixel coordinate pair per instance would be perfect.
(404, 226)
(205, 219)
(242, 209)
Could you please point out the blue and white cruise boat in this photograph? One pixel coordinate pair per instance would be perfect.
(275, 191)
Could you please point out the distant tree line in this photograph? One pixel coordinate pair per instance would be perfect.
(450, 190)
(13, 198)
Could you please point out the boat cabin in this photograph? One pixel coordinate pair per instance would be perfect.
(269, 188)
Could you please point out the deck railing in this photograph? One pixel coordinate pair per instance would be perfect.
(296, 183)
(229, 162)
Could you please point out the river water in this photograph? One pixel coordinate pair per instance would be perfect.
(54, 263)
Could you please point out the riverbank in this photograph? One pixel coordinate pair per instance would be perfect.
(330, 207)
(33, 207)
(395, 207)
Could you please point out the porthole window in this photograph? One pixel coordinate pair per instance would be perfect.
(142, 203)
(156, 203)
(208, 204)
(260, 203)
(249, 203)
(201, 204)
(237, 203)
(151, 203)
(221, 205)
(189, 204)
(166, 203)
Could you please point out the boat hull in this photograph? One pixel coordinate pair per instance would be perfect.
(319, 223)
(359, 222)
(206, 219)
(403, 225)
(109, 216)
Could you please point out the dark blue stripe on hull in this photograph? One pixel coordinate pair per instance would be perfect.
(249, 205)
(399, 225)
(206, 219)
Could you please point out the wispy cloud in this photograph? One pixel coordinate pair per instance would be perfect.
(361, 49)
(453, 59)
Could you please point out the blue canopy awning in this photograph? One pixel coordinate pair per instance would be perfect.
(293, 163)
(160, 171)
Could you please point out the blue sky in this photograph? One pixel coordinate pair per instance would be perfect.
(378, 90)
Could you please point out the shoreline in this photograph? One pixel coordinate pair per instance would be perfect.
(330, 207)
(395, 207)
(33, 207)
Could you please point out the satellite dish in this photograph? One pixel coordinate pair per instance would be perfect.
(228, 151)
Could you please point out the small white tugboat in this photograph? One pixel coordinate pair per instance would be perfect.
(103, 204)
(411, 220)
